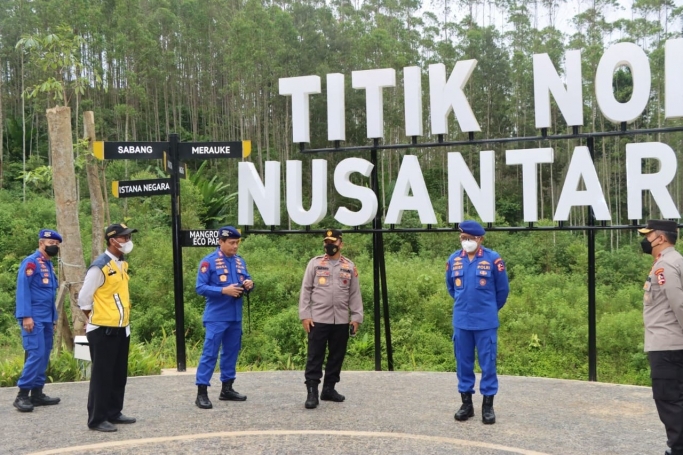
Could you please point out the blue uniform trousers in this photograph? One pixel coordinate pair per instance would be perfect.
(227, 334)
(486, 343)
(38, 345)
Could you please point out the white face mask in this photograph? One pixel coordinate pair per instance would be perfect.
(470, 246)
(126, 247)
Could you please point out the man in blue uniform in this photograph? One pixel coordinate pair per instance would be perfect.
(477, 281)
(222, 279)
(37, 316)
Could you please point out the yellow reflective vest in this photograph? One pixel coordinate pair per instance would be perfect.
(111, 301)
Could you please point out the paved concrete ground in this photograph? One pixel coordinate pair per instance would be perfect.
(384, 413)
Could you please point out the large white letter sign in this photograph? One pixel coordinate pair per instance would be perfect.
(252, 191)
(336, 120)
(410, 178)
(546, 81)
(412, 90)
(623, 54)
(300, 88)
(345, 188)
(460, 178)
(373, 81)
(581, 166)
(529, 158)
(445, 97)
(637, 182)
(673, 70)
(295, 206)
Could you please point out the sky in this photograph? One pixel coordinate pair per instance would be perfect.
(563, 17)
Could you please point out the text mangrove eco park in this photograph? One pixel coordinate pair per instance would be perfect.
(446, 96)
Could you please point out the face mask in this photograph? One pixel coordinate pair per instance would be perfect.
(646, 245)
(470, 246)
(331, 249)
(126, 247)
(52, 250)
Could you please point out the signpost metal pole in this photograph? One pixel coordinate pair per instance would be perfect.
(376, 224)
(177, 255)
(592, 348)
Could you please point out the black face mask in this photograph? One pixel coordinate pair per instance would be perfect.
(52, 250)
(646, 245)
(331, 249)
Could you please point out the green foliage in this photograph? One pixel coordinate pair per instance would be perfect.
(215, 197)
(58, 56)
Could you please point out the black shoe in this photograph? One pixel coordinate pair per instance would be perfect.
(123, 419)
(38, 398)
(312, 398)
(466, 410)
(23, 402)
(202, 400)
(104, 426)
(230, 394)
(487, 414)
(329, 394)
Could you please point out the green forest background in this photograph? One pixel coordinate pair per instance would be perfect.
(209, 70)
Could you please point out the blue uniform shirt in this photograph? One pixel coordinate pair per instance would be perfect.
(217, 271)
(36, 289)
(479, 287)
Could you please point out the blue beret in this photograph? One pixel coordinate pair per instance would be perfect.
(50, 234)
(229, 232)
(472, 228)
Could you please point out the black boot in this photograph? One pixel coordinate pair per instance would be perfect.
(487, 414)
(23, 402)
(38, 398)
(202, 400)
(466, 410)
(329, 394)
(312, 398)
(230, 394)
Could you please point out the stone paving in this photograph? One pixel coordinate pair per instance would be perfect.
(384, 413)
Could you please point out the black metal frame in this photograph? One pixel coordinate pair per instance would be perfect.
(379, 263)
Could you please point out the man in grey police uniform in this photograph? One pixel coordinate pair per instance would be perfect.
(663, 318)
(330, 296)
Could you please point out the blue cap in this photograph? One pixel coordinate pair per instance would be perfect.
(229, 232)
(50, 234)
(472, 228)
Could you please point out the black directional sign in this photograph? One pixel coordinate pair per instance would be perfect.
(212, 150)
(198, 237)
(129, 150)
(133, 188)
(169, 165)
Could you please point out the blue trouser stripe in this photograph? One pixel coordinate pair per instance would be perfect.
(486, 344)
(227, 335)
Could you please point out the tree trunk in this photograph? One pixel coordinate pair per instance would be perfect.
(96, 198)
(66, 202)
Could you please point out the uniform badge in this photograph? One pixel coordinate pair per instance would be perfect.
(204, 267)
(458, 281)
(659, 273)
(501, 265)
(345, 281)
(29, 268)
(46, 281)
(482, 282)
(329, 233)
(223, 278)
(322, 280)
(47, 234)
